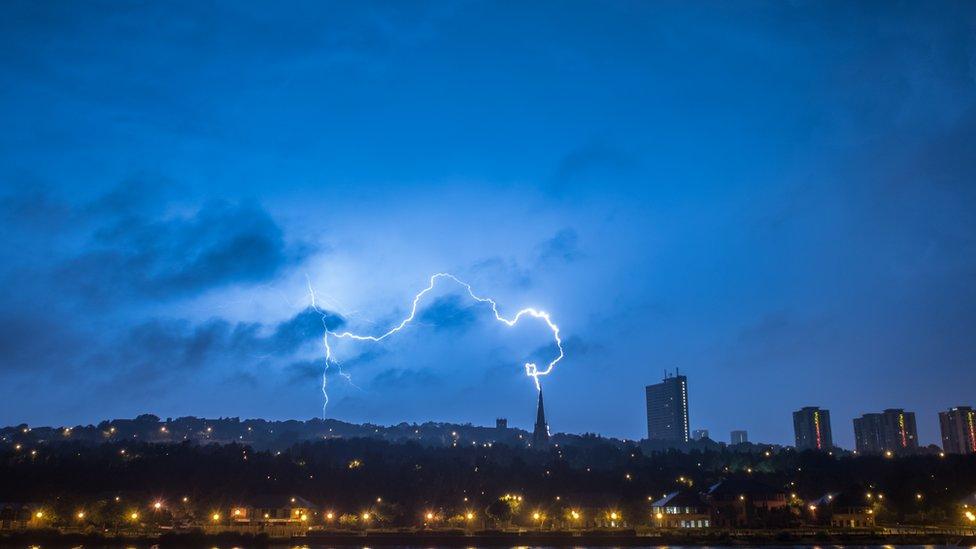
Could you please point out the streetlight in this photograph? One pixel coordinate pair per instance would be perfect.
(329, 516)
(80, 515)
(216, 517)
(469, 515)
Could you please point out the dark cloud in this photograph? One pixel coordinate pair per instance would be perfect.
(592, 166)
(402, 378)
(501, 270)
(302, 371)
(307, 325)
(160, 355)
(450, 312)
(217, 245)
(33, 208)
(563, 247)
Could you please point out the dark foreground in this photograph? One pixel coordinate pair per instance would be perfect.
(502, 539)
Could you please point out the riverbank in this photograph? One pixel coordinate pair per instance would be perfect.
(53, 538)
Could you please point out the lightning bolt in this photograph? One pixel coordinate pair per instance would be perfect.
(531, 369)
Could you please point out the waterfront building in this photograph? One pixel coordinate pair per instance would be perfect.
(681, 509)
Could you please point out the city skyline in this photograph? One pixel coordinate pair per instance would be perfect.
(775, 198)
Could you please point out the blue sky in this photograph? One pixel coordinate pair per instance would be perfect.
(776, 198)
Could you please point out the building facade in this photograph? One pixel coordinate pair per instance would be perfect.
(667, 409)
(958, 430)
(699, 434)
(682, 509)
(741, 503)
(811, 425)
(890, 431)
(739, 437)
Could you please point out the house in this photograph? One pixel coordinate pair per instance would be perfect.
(681, 509)
(743, 502)
(16, 516)
(274, 510)
(845, 510)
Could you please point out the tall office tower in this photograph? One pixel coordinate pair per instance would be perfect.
(740, 437)
(812, 428)
(699, 434)
(890, 431)
(958, 430)
(867, 434)
(540, 436)
(667, 409)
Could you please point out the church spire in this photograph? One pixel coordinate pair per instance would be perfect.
(540, 436)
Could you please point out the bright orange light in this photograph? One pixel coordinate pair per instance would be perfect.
(304, 518)
(80, 515)
(39, 514)
(134, 516)
(157, 506)
(237, 512)
(469, 516)
(365, 516)
(430, 516)
(216, 517)
(536, 516)
(329, 516)
(613, 515)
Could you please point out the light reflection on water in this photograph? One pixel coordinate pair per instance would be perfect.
(281, 546)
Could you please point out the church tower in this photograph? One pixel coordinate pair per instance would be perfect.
(540, 436)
